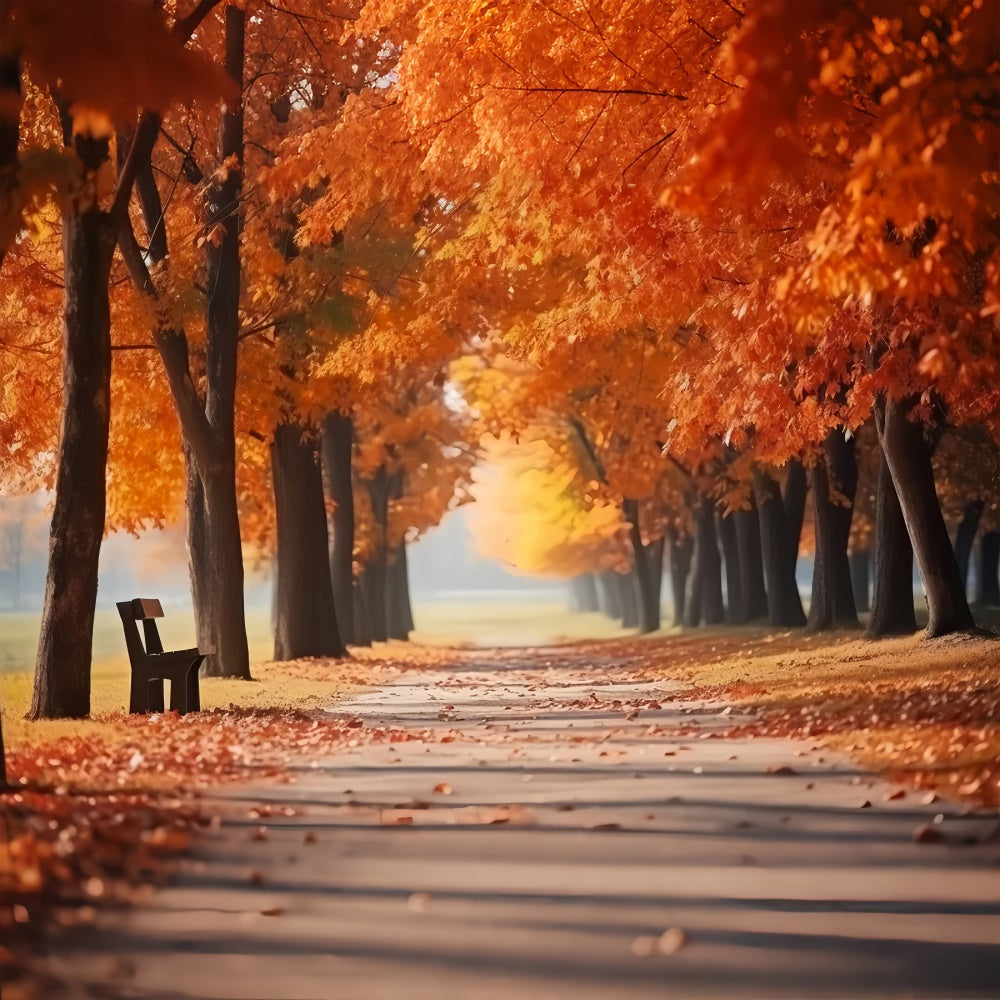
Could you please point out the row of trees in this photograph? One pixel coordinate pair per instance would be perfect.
(411, 224)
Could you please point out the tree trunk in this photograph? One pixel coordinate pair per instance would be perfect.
(62, 667)
(646, 580)
(834, 481)
(909, 460)
(583, 591)
(654, 556)
(338, 435)
(232, 658)
(707, 606)
(892, 597)
(680, 550)
(609, 594)
(752, 588)
(988, 570)
(794, 502)
(362, 630)
(860, 561)
(784, 606)
(399, 611)
(965, 535)
(375, 576)
(305, 621)
(726, 529)
(628, 588)
(199, 562)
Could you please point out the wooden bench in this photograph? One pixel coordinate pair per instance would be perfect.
(151, 666)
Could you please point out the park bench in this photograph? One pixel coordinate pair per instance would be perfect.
(151, 666)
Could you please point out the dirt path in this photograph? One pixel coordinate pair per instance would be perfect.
(540, 843)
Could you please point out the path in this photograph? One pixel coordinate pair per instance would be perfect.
(572, 838)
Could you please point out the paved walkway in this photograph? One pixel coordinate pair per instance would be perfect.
(573, 841)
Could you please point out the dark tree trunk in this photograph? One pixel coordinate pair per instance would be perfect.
(305, 621)
(375, 575)
(654, 556)
(794, 502)
(647, 581)
(628, 589)
(784, 606)
(338, 436)
(965, 535)
(583, 589)
(726, 529)
(199, 562)
(707, 607)
(988, 570)
(399, 612)
(892, 597)
(399, 615)
(218, 473)
(62, 668)
(609, 594)
(680, 549)
(362, 630)
(909, 460)
(861, 564)
(834, 483)
(403, 582)
(752, 588)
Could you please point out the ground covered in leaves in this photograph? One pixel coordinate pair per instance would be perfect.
(99, 806)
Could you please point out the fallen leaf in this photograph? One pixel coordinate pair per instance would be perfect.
(443, 788)
(671, 941)
(274, 911)
(928, 834)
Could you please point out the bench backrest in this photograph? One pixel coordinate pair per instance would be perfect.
(142, 609)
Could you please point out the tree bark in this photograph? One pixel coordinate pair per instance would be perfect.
(62, 667)
(909, 460)
(646, 580)
(707, 607)
(305, 620)
(338, 437)
(834, 481)
(609, 594)
(965, 535)
(794, 502)
(627, 588)
(400, 609)
(752, 590)
(860, 561)
(375, 575)
(232, 658)
(726, 529)
(362, 630)
(988, 570)
(584, 592)
(784, 605)
(680, 549)
(199, 563)
(892, 596)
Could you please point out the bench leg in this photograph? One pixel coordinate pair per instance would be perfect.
(137, 699)
(193, 689)
(154, 696)
(184, 692)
